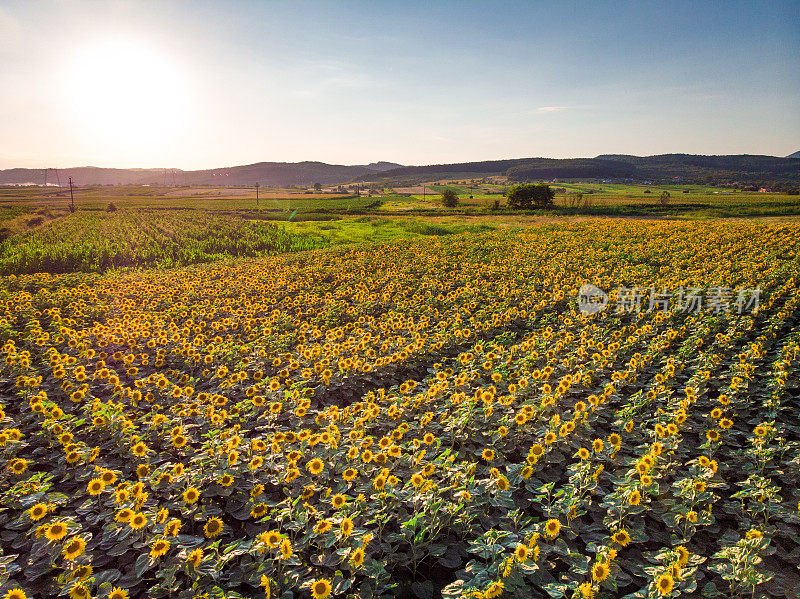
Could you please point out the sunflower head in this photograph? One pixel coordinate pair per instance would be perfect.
(74, 548)
(552, 527)
(320, 588)
(213, 527)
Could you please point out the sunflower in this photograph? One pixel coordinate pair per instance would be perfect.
(552, 527)
(195, 557)
(286, 549)
(322, 526)
(78, 591)
(665, 583)
(74, 548)
(347, 526)
(272, 538)
(586, 590)
(124, 515)
(139, 450)
(622, 537)
(81, 572)
(488, 454)
(357, 558)
(417, 479)
(550, 438)
(600, 572)
(683, 555)
(213, 528)
(19, 465)
(259, 510)
(521, 553)
(38, 511)
(16, 593)
(614, 439)
(583, 453)
(699, 486)
(598, 445)
(338, 501)
(108, 477)
(635, 498)
(172, 528)
(118, 593)
(320, 588)
(137, 521)
(56, 531)
(315, 466)
(159, 548)
(95, 486)
(191, 495)
(226, 480)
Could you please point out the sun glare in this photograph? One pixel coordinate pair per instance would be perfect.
(125, 92)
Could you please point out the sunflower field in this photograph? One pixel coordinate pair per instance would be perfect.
(98, 241)
(428, 418)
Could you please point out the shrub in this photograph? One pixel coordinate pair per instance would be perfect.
(449, 198)
(530, 196)
(111, 207)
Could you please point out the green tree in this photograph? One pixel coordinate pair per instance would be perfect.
(529, 196)
(664, 198)
(449, 198)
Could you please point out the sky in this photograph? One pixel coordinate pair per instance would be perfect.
(193, 84)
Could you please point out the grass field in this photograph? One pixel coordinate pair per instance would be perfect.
(429, 417)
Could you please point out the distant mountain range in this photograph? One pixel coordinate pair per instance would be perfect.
(746, 169)
(263, 173)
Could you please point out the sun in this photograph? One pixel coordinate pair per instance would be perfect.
(125, 93)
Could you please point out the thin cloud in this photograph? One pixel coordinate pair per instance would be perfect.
(551, 109)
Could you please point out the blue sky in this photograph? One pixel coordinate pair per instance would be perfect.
(204, 84)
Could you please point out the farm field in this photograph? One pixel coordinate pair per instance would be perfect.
(222, 198)
(437, 416)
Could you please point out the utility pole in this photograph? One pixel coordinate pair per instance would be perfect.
(256, 193)
(71, 197)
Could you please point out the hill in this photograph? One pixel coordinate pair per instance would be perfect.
(265, 173)
(794, 155)
(744, 169)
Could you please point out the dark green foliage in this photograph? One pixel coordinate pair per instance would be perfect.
(521, 197)
(449, 198)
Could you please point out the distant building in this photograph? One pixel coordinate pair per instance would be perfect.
(764, 190)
